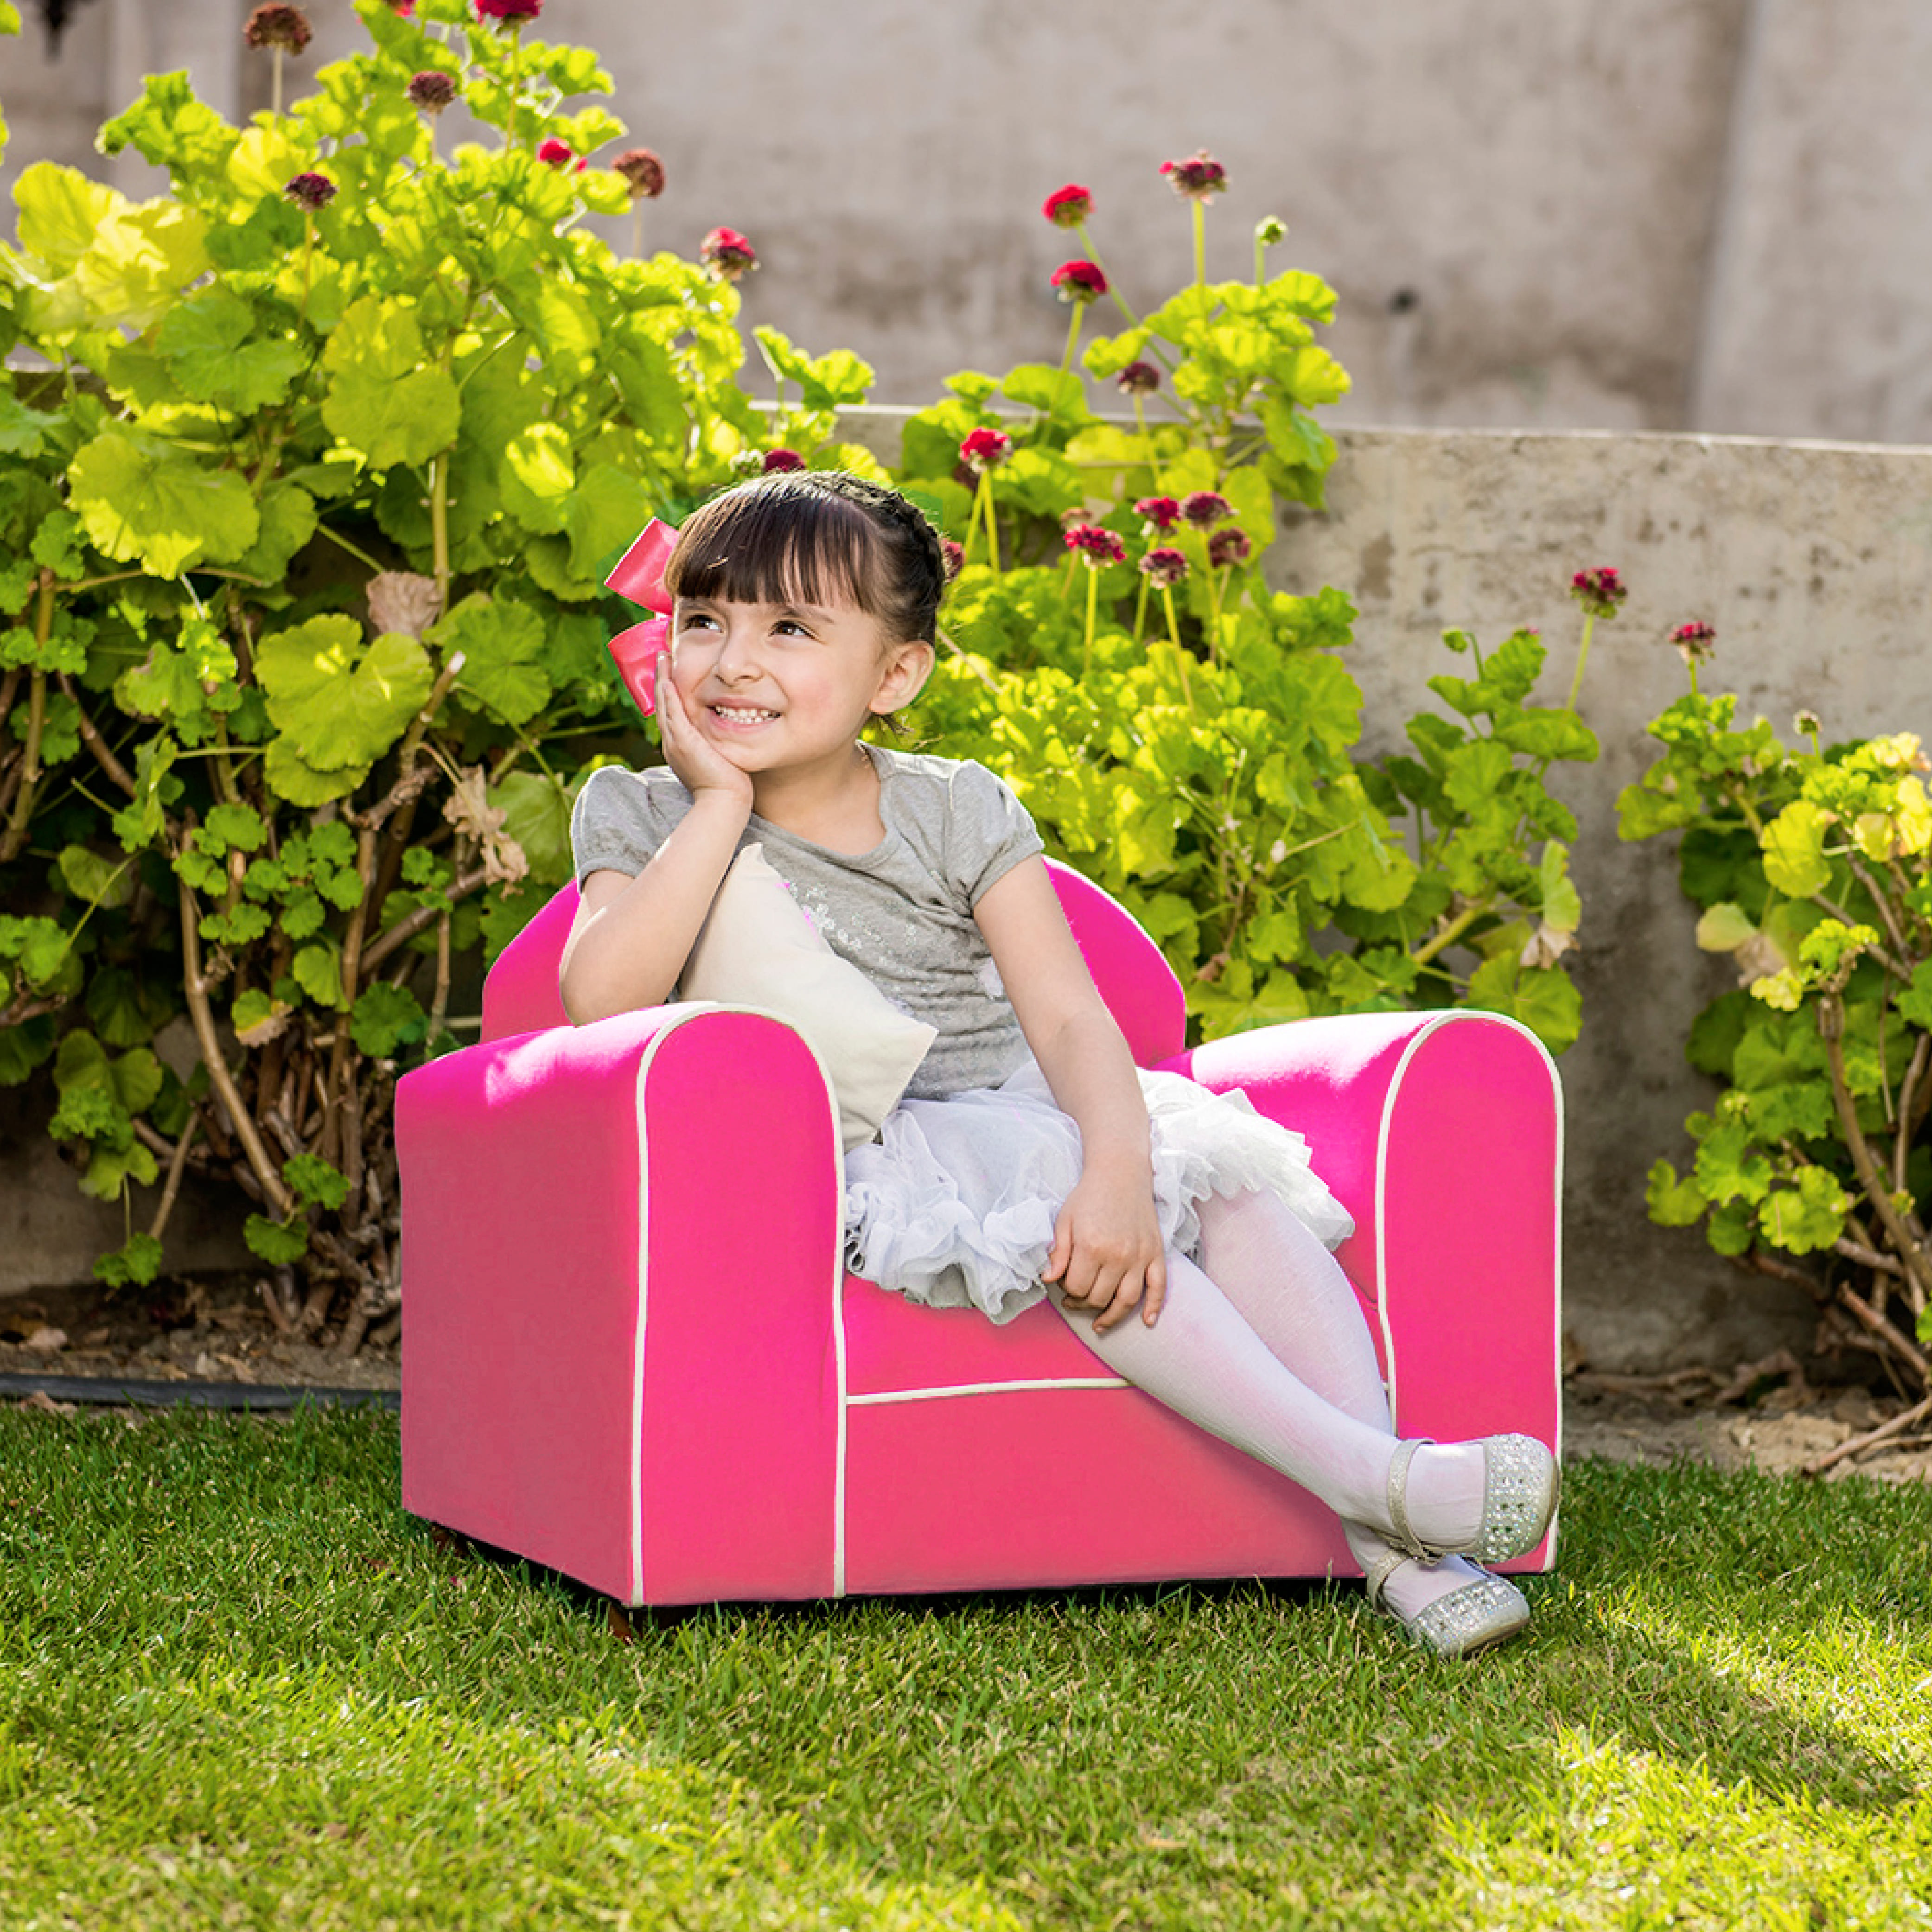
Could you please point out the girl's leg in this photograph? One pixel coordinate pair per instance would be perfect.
(1292, 1292)
(1205, 1361)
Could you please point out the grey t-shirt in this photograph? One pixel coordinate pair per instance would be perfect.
(902, 912)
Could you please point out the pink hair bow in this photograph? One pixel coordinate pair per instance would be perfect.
(639, 576)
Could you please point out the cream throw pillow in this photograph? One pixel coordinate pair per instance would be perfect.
(757, 948)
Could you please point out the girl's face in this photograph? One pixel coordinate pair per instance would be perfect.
(777, 686)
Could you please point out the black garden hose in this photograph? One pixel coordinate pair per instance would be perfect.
(123, 1391)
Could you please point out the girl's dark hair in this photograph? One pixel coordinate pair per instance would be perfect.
(803, 534)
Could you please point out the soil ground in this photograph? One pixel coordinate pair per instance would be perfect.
(219, 1330)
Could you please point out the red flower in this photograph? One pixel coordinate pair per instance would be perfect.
(1599, 591)
(1097, 544)
(310, 190)
(1227, 547)
(783, 459)
(1695, 641)
(1196, 177)
(1079, 281)
(432, 92)
(1204, 509)
(645, 172)
(952, 556)
(1068, 207)
(513, 11)
(986, 449)
(404, 9)
(727, 253)
(1138, 379)
(275, 25)
(1164, 568)
(556, 152)
(1162, 514)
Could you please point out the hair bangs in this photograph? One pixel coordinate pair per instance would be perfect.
(774, 542)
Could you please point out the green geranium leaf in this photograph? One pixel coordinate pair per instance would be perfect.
(1671, 1202)
(605, 513)
(61, 210)
(24, 1047)
(23, 432)
(1724, 928)
(290, 776)
(341, 704)
(1805, 1219)
(314, 1183)
(501, 640)
(280, 1243)
(1543, 998)
(385, 1017)
(142, 500)
(536, 815)
(537, 476)
(381, 400)
(99, 881)
(134, 1265)
(209, 343)
(1794, 850)
(317, 970)
(288, 521)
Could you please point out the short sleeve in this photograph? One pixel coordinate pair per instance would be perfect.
(988, 832)
(621, 818)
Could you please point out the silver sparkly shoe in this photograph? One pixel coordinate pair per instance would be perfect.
(1521, 1479)
(1490, 1611)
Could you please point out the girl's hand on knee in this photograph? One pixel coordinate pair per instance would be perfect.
(1107, 1255)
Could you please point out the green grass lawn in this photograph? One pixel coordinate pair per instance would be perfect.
(238, 1686)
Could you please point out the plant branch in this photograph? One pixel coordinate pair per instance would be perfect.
(90, 736)
(1870, 1439)
(405, 929)
(1901, 1138)
(1900, 1345)
(177, 1162)
(195, 987)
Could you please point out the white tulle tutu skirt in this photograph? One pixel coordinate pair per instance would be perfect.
(954, 1204)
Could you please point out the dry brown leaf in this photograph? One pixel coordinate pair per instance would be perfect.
(468, 809)
(46, 1341)
(45, 1405)
(399, 600)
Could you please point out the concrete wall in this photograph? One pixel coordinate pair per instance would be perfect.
(1643, 215)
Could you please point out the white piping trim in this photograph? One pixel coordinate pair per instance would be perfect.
(694, 1010)
(990, 1388)
(1381, 1195)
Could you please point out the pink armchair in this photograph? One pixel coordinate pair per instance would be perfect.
(634, 1356)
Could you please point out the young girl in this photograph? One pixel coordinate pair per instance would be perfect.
(1181, 1234)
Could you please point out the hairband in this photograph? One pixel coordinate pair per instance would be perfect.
(639, 578)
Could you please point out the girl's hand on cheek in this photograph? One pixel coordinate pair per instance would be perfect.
(1107, 1253)
(699, 765)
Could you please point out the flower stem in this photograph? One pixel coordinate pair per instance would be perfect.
(308, 257)
(439, 523)
(1066, 358)
(1093, 607)
(1153, 461)
(1583, 658)
(992, 522)
(637, 230)
(1200, 244)
(1093, 255)
(1140, 611)
(277, 84)
(1260, 260)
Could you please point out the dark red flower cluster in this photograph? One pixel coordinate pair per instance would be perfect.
(276, 25)
(1138, 379)
(1196, 177)
(1097, 544)
(1068, 207)
(1227, 547)
(1694, 641)
(513, 11)
(1204, 509)
(727, 253)
(1599, 591)
(432, 92)
(783, 459)
(557, 154)
(642, 169)
(1164, 568)
(310, 191)
(952, 556)
(1162, 514)
(985, 449)
(404, 9)
(1079, 281)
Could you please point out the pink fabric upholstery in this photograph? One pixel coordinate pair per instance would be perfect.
(634, 1357)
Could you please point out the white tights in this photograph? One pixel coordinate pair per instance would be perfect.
(1264, 1346)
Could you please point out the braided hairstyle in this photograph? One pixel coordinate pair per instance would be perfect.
(798, 535)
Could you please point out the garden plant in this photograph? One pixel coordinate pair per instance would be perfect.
(311, 469)
(1812, 868)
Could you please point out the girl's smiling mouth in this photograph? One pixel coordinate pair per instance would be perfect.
(742, 714)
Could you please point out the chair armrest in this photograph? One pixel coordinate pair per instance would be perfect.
(621, 1258)
(1442, 1134)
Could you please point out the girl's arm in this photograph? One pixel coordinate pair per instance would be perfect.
(1107, 1253)
(632, 936)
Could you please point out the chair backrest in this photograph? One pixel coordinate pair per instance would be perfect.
(520, 994)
